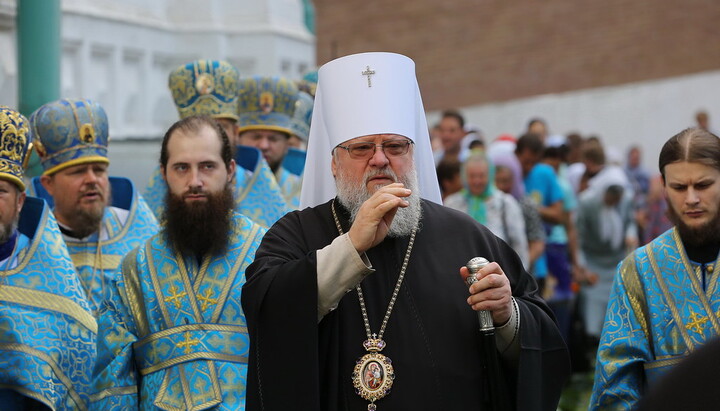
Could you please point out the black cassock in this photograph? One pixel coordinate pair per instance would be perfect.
(432, 336)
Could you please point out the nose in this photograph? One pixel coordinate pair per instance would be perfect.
(379, 159)
(195, 180)
(263, 144)
(692, 198)
(91, 177)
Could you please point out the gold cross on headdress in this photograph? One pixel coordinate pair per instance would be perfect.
(368, 73)
(174, 296)
(187, 343)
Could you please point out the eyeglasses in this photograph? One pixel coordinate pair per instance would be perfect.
(366, 149)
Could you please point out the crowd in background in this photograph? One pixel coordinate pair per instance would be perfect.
(571, 207)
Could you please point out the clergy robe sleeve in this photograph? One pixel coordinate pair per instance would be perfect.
(280, 304)
(115, 379)
(340, 268)
(624, 346)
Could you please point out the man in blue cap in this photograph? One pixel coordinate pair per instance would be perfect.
(267, 107)
(210, 88)
(47, 343)
(174, 335)
(101, 217)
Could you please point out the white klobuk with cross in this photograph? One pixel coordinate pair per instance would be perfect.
(360, 95)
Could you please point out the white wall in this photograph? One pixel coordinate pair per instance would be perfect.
(120, 52)
(646, 113)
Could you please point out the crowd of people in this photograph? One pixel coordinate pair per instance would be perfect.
(573, 210)
(292, 251)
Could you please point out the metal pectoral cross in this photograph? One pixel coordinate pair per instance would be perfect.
(368, 73)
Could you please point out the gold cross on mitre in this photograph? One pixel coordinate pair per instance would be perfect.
(368, 73)
(174, 296)
(697, 322)
(207, 299)
(187, 343)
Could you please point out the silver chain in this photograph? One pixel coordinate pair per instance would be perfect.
(396, 291)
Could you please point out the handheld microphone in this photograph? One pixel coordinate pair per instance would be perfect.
(494, 389)
(485, 316)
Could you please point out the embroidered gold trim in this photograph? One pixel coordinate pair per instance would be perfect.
(77, 161)
(133, 292)
(156, 284)
(112, 392)
(663, 363)
(198, 355)
(48, 301)
(53, 365)
(670, 301)
(185, 279)
(189, 327)
(695, 281)
(636, 295)
(235, 271)
(105, 262)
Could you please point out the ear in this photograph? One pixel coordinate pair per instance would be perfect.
(231, 170)
(47, 183)
(162, 173)
(21, 201)
(333, 165)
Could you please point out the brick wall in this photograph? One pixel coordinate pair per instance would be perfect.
(471, 52)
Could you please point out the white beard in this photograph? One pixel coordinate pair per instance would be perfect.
(353, 196)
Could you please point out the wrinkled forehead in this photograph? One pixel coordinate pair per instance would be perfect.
(377, 138)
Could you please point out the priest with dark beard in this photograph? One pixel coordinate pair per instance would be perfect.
(173, 334)
(665, 299)
(359, 302)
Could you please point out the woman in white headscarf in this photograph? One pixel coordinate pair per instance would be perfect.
(606, 231)
(496, 210)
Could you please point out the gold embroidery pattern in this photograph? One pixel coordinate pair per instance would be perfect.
(174, 296)
(207, 299)
(668, 297)
(48, 301)
(187, 343)
(67, 382)
(697, 322)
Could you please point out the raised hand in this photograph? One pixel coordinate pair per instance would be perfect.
(373, 221)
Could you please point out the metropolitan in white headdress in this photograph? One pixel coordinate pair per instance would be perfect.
(360, 95)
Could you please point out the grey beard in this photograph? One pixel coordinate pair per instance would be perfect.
(406, 218)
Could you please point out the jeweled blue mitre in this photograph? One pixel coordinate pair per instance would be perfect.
(69, 132)
(205, 87)
(15, 139)
(266, 103)
(300, 123)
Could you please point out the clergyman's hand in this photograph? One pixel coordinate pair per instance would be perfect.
(375, 216)
(491, 292)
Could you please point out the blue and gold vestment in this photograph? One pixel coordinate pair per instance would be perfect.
(660, 310)
(257, 194)
(47, 330)
(173, 333)
(125, 225)
(290, 185)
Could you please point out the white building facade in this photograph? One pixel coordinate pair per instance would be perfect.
(120, 53)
